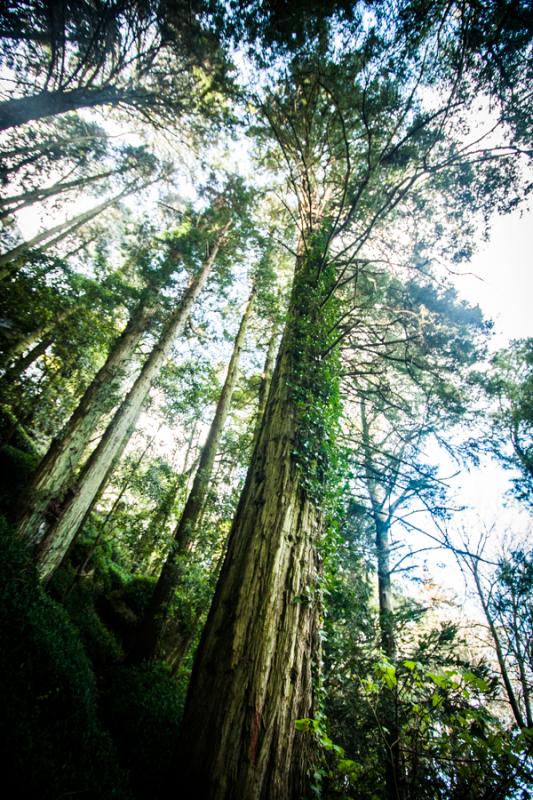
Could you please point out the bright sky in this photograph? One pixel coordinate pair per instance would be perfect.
(504, 286)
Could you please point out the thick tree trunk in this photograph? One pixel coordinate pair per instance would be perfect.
(81, 569)
(58, 468)
(158, 628)
(52, 550)
(20, 110)
(13, 260)
(253, 674)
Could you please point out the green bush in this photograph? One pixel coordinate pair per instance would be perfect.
(144, 706)
(51, 739)
(16, 467)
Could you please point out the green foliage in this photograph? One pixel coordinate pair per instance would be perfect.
(17, 466)
(52, 740)
(143, 708)
(508, 386)
(314, 379)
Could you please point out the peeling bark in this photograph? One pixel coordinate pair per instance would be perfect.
(253, 674)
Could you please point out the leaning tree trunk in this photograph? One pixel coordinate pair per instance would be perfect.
(52, 550)
(15, 370)
(158, 629)
(156, 532)
(13, 259)
(19, 346)
(253, 674)
(500, 654)
(20, 110)
(57, 470)
(17, 202)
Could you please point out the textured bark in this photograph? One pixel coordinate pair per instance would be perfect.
(80, 571)
(158, 629)
(52, 550)
(57, 470)
(13, 260)
(20, 110)
(253, 672)
(266, 380)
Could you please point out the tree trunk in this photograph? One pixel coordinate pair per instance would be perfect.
(158, 523)
(52, 550)
(19, 201)
(57, 470)
(16, 369)
(104, 524)
(378, 499)
(13, 260)
(158, 629)
(253, 674)
(504, 672)
(264, 387)
(27, 340)
(20, 110)
(389, 700)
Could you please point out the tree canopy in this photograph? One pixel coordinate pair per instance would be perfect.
(239, 384)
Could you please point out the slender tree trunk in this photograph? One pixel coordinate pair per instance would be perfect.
(158, 628)
(185, 638)
(253, 674)
(13, 260)
(158, 523)
(27, 340)
(52, 550)
(25, 199)
(20, 110)
(109, 516)
(511, 696)
(389, 700)
(58, 468)
(381, 519)
(16, 369)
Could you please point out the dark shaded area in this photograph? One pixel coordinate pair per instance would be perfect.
(75, 720)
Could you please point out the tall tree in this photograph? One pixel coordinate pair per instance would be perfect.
(356, 144)
(157, 633)
(150, 58)
(53, 547)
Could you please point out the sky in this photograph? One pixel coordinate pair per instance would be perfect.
(501, 276)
